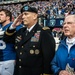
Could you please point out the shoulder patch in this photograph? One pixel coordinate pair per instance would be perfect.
(45, 28)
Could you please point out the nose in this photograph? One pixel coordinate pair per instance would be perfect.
(65, 24)
(24, 16)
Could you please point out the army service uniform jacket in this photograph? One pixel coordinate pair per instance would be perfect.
(34, 51)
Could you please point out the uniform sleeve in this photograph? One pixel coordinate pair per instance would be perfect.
(48, 49)
(9, 36)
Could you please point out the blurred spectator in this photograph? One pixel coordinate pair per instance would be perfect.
(57, 7)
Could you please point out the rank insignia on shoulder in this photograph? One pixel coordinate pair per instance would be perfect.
(45, 28)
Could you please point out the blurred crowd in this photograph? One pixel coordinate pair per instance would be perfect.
(47, 9)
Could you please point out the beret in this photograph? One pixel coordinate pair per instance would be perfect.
(28, 8)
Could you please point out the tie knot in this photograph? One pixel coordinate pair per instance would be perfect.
(27, 32)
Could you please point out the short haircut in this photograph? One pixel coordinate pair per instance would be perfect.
(7, 12)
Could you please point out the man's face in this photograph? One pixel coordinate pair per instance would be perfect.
(69, 26)
(2, 17)
(28, 18)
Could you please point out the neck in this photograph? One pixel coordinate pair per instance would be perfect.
(70, 37)
(5, 23)
(28, 26)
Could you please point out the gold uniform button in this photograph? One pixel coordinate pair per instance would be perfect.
(15, 41)
(16, 47)
(33, 45)
(19, 59)
(37, 51)
(31, 51)
(20, 53)
(20, 66)
(22, 46)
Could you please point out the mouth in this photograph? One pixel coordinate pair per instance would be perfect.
(66, 30)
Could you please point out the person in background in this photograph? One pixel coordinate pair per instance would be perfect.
(34, 45)
(64, 59)
(61, 34)
(7, 50)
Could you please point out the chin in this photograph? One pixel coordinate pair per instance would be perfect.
(66, 34)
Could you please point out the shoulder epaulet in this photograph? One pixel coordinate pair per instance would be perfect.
(45, 28)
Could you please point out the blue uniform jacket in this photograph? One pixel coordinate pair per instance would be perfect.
(62, 57)
(7, 51)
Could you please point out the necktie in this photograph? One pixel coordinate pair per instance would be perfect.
(27, 32)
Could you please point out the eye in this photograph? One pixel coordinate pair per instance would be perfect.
(68, 23)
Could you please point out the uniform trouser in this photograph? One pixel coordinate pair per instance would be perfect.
(7, 67)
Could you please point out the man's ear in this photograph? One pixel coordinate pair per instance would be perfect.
(35, 16)
(8, 18)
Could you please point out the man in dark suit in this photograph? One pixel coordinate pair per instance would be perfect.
(35, 46)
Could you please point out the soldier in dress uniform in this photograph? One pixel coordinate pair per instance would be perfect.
(34, 45)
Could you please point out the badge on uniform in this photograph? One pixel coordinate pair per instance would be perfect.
(26, 8)
(36, 36)
(18, 39)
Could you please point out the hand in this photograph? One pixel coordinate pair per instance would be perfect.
(17, 21)
(64, 72)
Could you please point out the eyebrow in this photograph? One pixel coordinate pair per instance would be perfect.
(68, 23)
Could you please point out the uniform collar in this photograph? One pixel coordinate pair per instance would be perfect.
(31, 28)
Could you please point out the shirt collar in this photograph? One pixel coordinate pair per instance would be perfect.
(70, 41)
(31, 28)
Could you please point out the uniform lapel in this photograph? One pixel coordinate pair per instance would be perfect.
(20, 37)
(30, 34)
